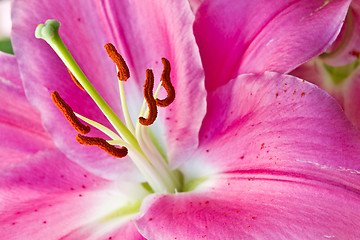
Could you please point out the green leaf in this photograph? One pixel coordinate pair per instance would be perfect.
(5, 46)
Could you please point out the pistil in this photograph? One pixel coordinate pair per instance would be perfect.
(49, 32)
(133, 141)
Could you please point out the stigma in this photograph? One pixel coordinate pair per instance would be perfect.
(129, 139)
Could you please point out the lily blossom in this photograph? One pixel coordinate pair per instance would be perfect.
(336, 71)
(248, 157)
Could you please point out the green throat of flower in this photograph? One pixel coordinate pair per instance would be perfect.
(133, 139)
(339, 74)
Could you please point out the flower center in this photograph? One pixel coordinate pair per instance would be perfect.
(338, 74)
(134, 140)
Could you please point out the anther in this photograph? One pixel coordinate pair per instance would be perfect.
(69, 114)
(149, 97)
(103, 144)
(123, 70)
(75, 80)
(166, 83)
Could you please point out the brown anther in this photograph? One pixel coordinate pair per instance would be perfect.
(103, 144)
(75, 80)
(149, 97)
(166, 83)
(69, 114)
(123, 70)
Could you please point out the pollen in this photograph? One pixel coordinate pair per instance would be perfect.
(166, 83)
(75, 80)
(103, 144)
(123, 70)
(69, 114)
(149, 97)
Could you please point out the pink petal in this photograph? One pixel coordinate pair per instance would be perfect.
(314, 71)
(195, 4)
(50, 197)
(95, 231)
(346, 92)
(253, 36)
(48, 171)
(54, 216)
(45, 197)
(311, 71)
(272, 121)
(254, 206)
(20, 125)
(352, 99)
(346, 47)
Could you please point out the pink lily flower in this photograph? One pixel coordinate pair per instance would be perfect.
(336, 71)
(249, 157)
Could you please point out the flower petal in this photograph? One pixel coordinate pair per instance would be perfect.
(346, 47)
(254, 207)
(195, 4)
(20, 124)
(254, 36)
(47, 171)
(271, 121)
(145, 31)
(345, 92)
(352, 99)
(99, 231)
(50, 197)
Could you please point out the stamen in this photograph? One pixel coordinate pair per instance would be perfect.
(75, 80)
(103, 144)
(69, 114)
(166, 83)
(99, 126)
(148, 94)
(123, 70)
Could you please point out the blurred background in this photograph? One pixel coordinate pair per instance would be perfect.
(5, 26)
